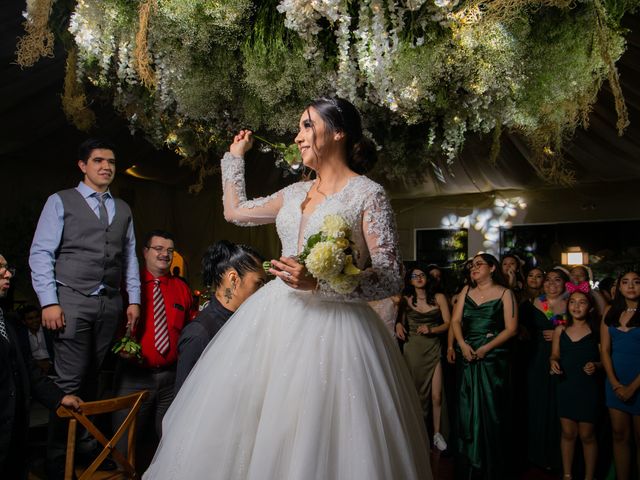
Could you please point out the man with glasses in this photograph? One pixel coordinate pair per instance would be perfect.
(167, 306)
(84, 245)
(18, 381)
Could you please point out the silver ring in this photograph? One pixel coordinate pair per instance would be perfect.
(287, 274)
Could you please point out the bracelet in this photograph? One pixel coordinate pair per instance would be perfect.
(449, 348)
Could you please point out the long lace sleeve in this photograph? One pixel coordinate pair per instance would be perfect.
(384, 277)
(237, 209)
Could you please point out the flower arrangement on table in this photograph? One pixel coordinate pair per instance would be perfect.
(555, 318)
(328, 256)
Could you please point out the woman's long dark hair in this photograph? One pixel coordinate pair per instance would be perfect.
(339, 115)
(496, 275)
(430, 288)
(223, 255)
(619, 306)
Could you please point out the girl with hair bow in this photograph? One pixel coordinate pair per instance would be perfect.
(581, 277)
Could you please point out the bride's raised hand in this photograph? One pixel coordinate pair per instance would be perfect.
(242, 143)
(293, 273)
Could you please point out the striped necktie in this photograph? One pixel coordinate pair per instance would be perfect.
(3, 329)
(160, 328)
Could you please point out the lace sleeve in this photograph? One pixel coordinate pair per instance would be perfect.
(384, 278)
(237, 209)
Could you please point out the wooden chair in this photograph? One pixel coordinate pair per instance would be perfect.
(127, 469)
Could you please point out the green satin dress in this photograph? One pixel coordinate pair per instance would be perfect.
(423, 354)
(483, 406)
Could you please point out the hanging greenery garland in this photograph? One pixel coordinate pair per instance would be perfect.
(425, 73)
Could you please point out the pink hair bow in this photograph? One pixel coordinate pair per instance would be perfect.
(583, 287)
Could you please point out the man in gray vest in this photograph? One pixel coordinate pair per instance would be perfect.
(84, 245)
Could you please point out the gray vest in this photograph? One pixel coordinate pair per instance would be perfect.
(90, 255)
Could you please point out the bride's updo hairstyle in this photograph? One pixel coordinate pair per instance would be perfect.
(223, 255)
(339, 115)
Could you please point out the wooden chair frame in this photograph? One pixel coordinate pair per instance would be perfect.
(133, 401)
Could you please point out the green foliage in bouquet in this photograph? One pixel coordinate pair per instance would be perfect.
(128, 346)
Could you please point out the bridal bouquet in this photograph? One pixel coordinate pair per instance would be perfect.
(328, 255)
(127, 347)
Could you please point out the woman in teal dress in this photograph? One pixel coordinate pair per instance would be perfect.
(423, 318)
(543, 432)
(620, 343)
(575, 360)
(483, 322)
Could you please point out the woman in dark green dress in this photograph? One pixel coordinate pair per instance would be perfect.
(423, 317)
(574, 359)
(483, 321)
(543, 432)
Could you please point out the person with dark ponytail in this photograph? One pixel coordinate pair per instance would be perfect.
(233, 273)
(620, 352)
(305, 381)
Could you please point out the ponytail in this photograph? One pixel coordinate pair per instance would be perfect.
(223, 255)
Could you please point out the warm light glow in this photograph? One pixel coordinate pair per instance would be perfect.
(132, 172)
(575, 256)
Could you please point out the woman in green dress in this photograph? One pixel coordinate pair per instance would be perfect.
(483, 321)
(423, 317)
(543, 432)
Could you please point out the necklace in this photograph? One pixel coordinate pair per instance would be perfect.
(631, 309)
(555, 318)
(318, 190)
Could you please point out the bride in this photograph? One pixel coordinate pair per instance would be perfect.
(303, 383)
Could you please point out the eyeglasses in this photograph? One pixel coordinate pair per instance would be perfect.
(415, 276)
(160, 249)
(473, 265)
(4, 268)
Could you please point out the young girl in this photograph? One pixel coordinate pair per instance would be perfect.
(581, 277)
(511, 269)
(574, 357)
(533, 284)
(620, 343)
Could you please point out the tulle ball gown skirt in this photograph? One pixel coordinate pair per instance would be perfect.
(295, 387)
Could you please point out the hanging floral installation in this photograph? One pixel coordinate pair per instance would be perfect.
(425, 73)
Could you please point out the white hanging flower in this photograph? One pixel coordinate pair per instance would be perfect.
(449, 221)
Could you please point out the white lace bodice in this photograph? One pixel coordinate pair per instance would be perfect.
(362, 203)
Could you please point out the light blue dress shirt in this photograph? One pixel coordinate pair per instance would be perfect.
(47, 239)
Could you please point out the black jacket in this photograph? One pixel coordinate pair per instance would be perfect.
(196, 336)
(18, 381)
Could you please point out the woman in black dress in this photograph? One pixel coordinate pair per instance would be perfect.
(575, 360)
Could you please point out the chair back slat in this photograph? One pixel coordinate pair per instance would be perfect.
(132, 402)
(102, 406)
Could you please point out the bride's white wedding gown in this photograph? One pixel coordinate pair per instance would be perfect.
(302, 385)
